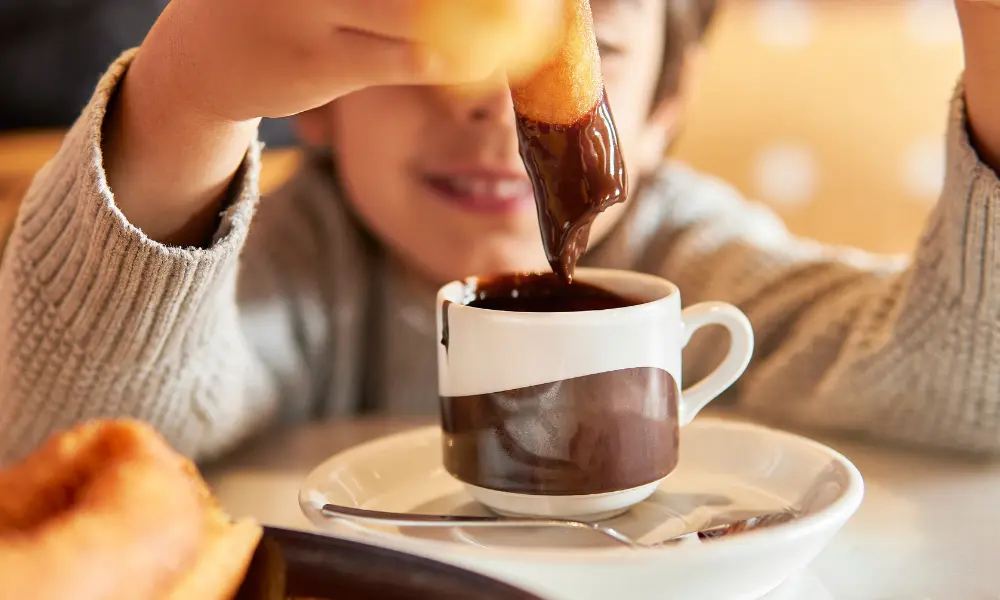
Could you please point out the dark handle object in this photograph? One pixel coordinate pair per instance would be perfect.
(300, 564)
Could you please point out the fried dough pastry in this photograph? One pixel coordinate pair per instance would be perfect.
(224, 554)
(569, 142)
(570, 83)
(109, 511)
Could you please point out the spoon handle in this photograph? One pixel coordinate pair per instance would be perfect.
(713, 531)
(418, 520)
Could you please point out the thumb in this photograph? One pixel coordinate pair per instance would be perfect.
(476, 38)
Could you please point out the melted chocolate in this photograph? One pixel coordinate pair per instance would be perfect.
(533, 292)
(445, 329)
(577, 172)
(541, 292)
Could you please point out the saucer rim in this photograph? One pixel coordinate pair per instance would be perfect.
(829, 520)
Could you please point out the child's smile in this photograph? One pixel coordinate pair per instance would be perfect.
(435, 172)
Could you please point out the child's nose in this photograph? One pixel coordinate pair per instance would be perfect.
(486, 102)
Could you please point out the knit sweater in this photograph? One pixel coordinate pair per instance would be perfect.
(305, 315)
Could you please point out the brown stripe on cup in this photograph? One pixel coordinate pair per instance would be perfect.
(593, 434)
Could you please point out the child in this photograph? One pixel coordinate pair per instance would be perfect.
(119, 293)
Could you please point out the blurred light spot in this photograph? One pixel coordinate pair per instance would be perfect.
(924, 169)
(785, 22)
(933, 22)
(785, 174)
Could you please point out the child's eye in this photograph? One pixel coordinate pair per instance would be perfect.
(608, 50)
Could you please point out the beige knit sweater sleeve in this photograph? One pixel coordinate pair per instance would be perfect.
(98, 320)
(903, 350)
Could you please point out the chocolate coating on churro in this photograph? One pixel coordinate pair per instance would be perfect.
(569, 143)
(577, 172)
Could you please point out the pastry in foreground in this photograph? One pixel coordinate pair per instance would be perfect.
(109, 510)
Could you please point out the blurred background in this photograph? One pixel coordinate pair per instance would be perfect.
(831, 111)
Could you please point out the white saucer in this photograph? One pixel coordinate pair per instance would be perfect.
(726, 468)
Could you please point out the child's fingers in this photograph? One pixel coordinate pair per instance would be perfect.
(485, 35)
(434, 21)
(388, 18)
(448, 41)
(365, 59)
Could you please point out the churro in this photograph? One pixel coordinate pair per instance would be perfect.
(568, 141)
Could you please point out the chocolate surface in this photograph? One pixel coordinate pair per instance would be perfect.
(541, 292)
(587, 435)
(577, 172)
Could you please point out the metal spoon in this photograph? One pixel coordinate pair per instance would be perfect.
(417, 520)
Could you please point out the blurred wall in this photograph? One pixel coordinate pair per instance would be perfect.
(831, 111)
(52, 53)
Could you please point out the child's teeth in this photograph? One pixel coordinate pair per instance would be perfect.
(510, 188)
(481, 187)
(462, 186)
(496, 188)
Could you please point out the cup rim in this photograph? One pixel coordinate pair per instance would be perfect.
(453, 292)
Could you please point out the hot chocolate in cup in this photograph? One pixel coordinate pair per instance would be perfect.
(565, 400)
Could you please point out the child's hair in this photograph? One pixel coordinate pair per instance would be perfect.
(687, 23)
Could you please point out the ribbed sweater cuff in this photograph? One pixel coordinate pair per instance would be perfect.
(113, 289)
(958, 261)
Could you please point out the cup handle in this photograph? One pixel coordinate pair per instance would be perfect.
(697, 396)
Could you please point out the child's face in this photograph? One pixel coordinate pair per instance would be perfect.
(437, 175)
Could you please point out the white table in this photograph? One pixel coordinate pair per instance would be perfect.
(929, 528)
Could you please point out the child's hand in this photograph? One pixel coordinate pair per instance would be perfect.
(241, 59)
(209, 68)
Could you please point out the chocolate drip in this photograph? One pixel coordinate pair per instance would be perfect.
(577, 172)
(445, 329)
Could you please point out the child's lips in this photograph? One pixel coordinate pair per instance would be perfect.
(483, 193)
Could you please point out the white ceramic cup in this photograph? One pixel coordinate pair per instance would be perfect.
(574, 414)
